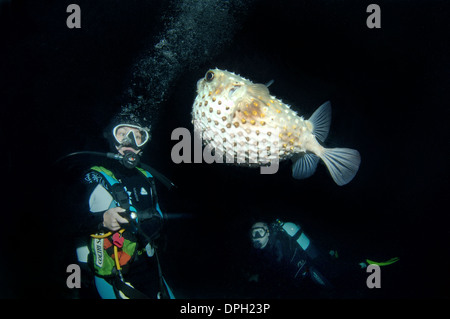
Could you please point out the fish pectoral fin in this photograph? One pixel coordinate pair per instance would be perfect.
(250, 105)
(305, 166)
(258, 91)
(321, 120)
(342, 163)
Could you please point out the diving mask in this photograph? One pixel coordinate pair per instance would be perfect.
(130, 135)
(259, 235)
(259, 232)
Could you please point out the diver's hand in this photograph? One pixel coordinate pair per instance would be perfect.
(112, 219)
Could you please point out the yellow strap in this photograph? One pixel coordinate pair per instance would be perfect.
(101, 235)
(116, 257)
(105, 235)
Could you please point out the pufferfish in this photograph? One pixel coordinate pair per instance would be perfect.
(244, 121)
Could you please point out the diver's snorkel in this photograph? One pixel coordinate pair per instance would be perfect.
(129, 160)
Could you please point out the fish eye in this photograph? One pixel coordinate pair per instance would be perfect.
(209, 76)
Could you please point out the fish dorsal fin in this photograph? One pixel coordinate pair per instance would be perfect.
(269, 83)
(250, 104)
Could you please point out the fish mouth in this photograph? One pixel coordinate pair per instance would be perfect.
(200, 82)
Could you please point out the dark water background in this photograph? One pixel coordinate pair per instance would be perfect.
(61, 87)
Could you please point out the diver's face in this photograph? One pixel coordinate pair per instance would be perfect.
(259, 235)
(121, 133)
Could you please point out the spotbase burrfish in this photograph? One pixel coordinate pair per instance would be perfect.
(242, 118)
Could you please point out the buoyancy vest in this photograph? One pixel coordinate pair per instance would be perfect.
(111, 253)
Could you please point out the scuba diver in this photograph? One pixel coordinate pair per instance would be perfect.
(284, 249)
(123, 218)
(286, 257)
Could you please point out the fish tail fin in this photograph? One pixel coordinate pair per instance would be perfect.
(321, 120)
(305, 166)
(342, 163)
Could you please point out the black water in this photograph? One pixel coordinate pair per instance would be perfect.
(386, 87)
